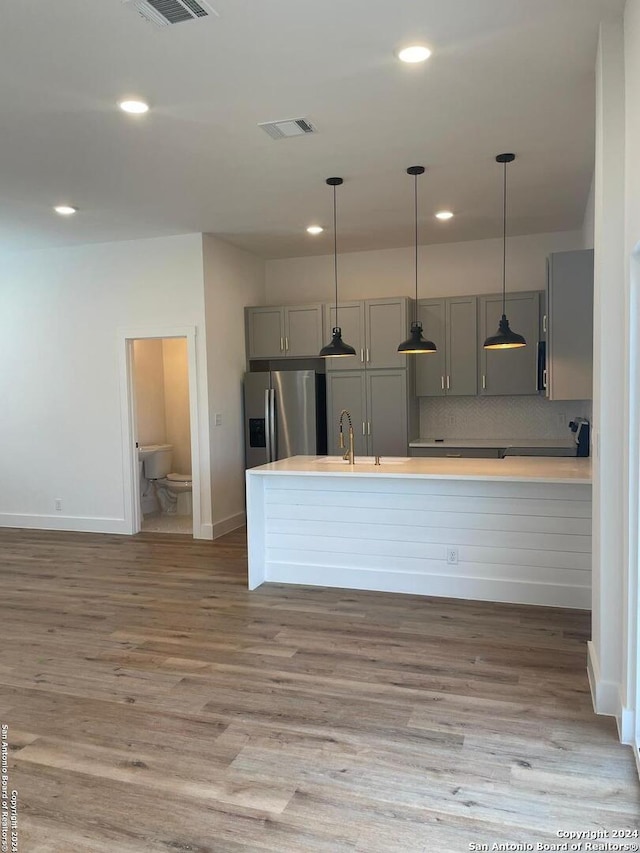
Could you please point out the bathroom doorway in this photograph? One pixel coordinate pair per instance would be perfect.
(160, 433)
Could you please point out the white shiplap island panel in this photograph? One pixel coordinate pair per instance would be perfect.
(521, 527)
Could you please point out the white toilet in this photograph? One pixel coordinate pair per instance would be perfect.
(174, 491)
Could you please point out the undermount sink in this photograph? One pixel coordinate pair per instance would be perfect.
(364, 460)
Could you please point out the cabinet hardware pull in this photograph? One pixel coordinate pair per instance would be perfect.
(484, 382)
(442, 382)
(368, 427)
(367, 355)
(544, 378)
(544, 322)
(454, 455)
(362, 354)
(448, 384)
(364, 430)
(281, 344)
(286, 344)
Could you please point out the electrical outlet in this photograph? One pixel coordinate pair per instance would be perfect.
(58, 504)
(218, 420)
(452, 556)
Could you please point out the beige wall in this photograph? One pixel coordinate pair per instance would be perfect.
(232, 279)
(445, 269)
(176, 402)
(149, 389)
(162, 397)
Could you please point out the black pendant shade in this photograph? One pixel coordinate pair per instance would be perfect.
(415, 343)
(337, 347)
(504, 338)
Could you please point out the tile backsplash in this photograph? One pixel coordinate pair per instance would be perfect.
(499, 417)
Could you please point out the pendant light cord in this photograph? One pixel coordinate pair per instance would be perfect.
(415, 211)
(335, 250)
(504, 240)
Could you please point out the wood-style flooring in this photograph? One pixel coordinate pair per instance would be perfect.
(154, 704)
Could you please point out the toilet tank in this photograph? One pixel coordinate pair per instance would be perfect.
(157, 464)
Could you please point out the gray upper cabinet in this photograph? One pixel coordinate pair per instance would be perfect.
(510, 371)
(265, 332)
(462, 351)
(303, 331)
(570, 325)
(378, 403)
(453, 370)
(294, 331)
(374, 328)
(387, 325)
(431, 368)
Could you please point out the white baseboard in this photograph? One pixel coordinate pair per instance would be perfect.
(205, 532)
(416, 583)
(80, 524)
(627, 725)
(605, 695)
(229, 524)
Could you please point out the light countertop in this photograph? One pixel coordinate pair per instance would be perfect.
(494, 442)
(513, 468)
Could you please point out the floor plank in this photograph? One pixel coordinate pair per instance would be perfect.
(155, 705)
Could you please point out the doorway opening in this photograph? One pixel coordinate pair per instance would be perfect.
(160, 427)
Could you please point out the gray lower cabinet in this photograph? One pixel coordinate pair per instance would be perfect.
(374, 328)
(294, 331)
(452, 371)
(347, 389)
(509, 371)
(378, 403)
(455, 452)
(570, 325)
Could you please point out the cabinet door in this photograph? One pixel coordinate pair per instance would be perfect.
(570, 326)
(265, 330)
(431, 367)
(387, 325)
(462, 346)
(346, 390)
(387, 412)
(510, 371)
(351, 320)
(303, 331)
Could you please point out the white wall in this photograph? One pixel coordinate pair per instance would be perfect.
(175, 369)
(232, 279)
(151, 423)
(605, 651)
(60, 425)
(631, 682)
(445, 269)
(588, 223)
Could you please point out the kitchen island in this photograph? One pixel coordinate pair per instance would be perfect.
(516, 529)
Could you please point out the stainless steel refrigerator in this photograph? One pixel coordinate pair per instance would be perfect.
(284, 415)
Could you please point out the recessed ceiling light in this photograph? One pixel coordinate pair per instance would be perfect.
(65, 210)
(414, 53)
(444, 214)
(315, 229)
(134, 107)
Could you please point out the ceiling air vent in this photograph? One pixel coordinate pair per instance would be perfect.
(162, 13)
(287, 127)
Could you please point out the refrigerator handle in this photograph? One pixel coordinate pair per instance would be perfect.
(272, 425)
(267, 423)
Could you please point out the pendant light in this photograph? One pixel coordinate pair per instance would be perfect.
(337, 347)
(504, 337)
(415, 343)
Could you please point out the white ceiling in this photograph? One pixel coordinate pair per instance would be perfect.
(505, 75)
